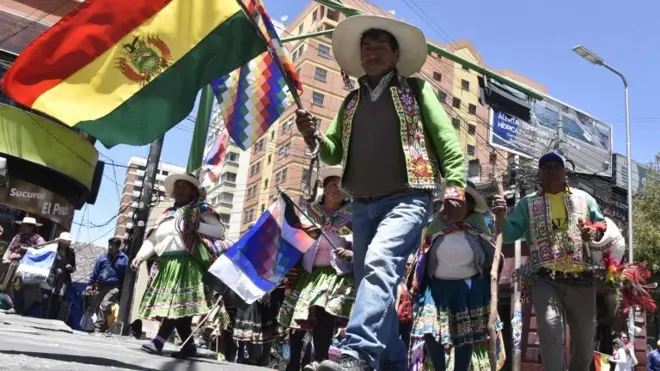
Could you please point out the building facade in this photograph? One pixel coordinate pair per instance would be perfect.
(132, 189)
(47, 170)
(280, 157)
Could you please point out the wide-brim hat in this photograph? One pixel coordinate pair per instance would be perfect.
(171, 180)
(327, 172)
(346, 43)
(65, 236)
(480, 204)
(29, 220)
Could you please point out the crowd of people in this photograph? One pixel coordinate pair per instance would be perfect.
(399, 278)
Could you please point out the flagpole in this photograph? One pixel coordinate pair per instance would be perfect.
(281, 191)
(310, 191)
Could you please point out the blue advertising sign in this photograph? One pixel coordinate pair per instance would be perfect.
(586, 141)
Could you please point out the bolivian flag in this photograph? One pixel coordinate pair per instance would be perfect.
(601, 361)
(126, 71)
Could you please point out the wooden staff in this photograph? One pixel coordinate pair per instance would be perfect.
(499, 227)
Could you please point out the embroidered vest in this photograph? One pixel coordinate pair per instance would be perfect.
(556, 250)
(421, 162)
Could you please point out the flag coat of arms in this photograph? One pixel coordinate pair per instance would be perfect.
(261, 258)
(126, 71)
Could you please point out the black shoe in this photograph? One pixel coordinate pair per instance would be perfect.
(346, 363)
(188, 351)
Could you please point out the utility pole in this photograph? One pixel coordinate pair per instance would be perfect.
(139, 226)
(516, 305)
(560, 132)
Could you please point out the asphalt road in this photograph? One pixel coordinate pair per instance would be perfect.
(33, 344)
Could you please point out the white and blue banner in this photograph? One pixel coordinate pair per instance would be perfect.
(36, 263)
(586, 140)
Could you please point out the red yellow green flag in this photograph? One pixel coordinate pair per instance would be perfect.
(601, 361)
(126, 71)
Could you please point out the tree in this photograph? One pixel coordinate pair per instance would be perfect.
(646, 221)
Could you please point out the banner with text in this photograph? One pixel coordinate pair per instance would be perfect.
(586, 141)
(35, 200)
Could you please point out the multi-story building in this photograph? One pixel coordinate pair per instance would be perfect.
(227, 193)
(132, 190)
(280, 157)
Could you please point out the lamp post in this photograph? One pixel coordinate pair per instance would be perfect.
(595, 59)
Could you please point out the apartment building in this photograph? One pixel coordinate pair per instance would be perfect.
(280, 157)
(133, 188)
(227, 194)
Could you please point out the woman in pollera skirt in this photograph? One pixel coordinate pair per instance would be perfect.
(451, 288)
(184, 241)
(322, 294)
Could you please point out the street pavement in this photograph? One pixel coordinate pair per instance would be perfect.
(36, 344)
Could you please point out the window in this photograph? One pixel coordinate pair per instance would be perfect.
(272, 135)
(270, 158)
(258, 146)
(251, 191)
(228, 177)
(456, 102)
(456, 122)
(248, 215)
(165, 173)
(285, 127)
(263, 208)
(294, 56)
(226, 197)
(442, 96)
(465, 85)
(324, 51)
(333, 15)
(314, 17)
(472, 109)
(266, 183)
(472, 129)
(231, 157)
(284, 150)
(254, 169)
(224, 218)
(305, 175)
(280, 177)
(474, 169)
(301, 28)
(321, 74)
(317, 98)
(437, 76)
(471, 150)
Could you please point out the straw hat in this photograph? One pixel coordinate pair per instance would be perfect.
(346, 43)
(65, 236)
(30, 220)
(171, 180)
(328, 171)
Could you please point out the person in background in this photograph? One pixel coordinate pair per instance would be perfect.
(392, 136)
(184, 241)
(629, 344)
(557, 222)
(653, 359)
(108, 277)
(625, 359)
(27, 237)
(59, 277)
(322, 294)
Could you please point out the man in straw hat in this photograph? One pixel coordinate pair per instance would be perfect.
(393, 138)
(27, 237)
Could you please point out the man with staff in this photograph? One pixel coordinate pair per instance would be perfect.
(393, 139)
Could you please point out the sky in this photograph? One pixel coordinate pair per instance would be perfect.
(533, 39)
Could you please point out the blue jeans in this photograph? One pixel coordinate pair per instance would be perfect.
(385, 233)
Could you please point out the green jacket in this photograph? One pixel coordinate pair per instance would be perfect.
(428, 131)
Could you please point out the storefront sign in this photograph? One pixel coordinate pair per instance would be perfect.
(38, 201)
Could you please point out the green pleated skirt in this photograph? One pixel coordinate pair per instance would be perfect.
(176, 290)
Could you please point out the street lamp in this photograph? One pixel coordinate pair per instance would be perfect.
(595, 59)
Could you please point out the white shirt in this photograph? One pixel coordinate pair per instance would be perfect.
(167, 239)
(623, 361)
(454, 256)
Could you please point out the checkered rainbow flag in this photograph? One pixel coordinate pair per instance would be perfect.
(254, 96)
